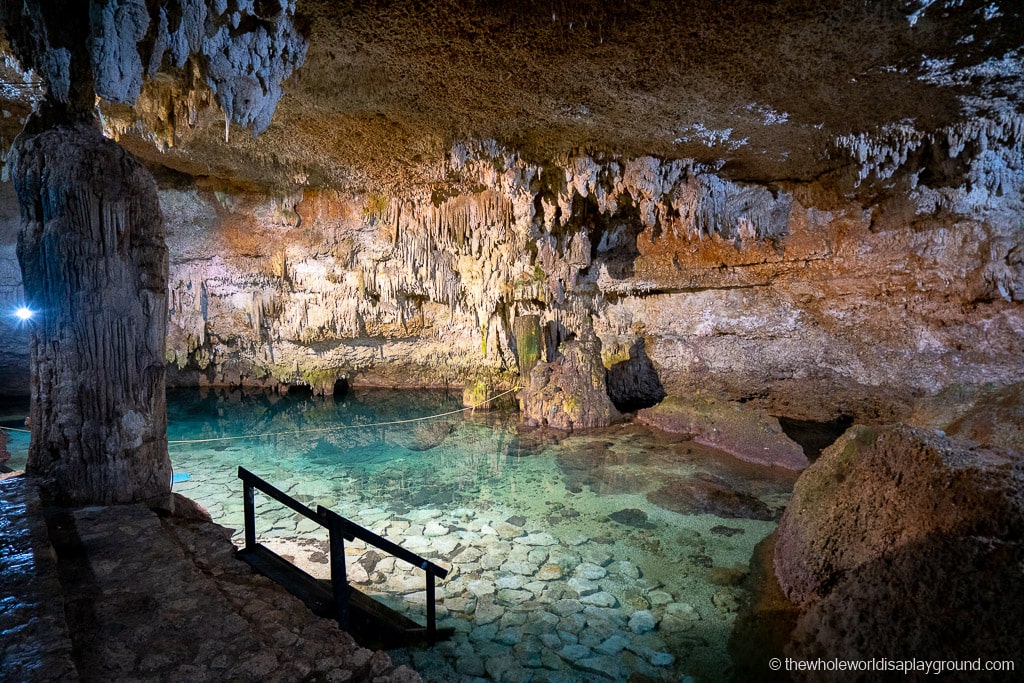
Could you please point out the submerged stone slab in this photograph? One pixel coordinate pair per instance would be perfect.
(542, 538)
(642, 621)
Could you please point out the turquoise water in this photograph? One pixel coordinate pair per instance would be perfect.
(573, 558)
(12, 418)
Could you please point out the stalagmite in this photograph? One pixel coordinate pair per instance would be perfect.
(527, 331)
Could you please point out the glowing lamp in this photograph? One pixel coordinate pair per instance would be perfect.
(24, 313)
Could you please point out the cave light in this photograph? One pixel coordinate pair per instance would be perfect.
(24, 313)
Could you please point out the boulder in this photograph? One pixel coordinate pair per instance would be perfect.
(940, 597)
(747, 433)
(879, 489)
(569, 392)
(894, 530)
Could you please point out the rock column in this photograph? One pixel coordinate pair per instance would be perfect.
(94, 262)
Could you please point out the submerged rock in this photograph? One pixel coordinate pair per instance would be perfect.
(428, 436)
(705, 494)
(631, 517)
(892, 531)
(749, 434)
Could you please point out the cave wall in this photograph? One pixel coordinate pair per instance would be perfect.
(14, 363)
(786, 296)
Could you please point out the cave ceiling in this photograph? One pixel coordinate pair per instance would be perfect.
(760, 91)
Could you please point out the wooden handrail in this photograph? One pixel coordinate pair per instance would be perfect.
(280, 496)
(354, 530)
(340, 529)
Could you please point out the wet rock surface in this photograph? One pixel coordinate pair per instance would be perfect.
(893, 530)
(36, 644)
(150, 598)
(747, 433)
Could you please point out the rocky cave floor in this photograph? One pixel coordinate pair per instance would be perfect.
(179, 606)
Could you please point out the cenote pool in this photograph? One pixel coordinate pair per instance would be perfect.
(584, 557)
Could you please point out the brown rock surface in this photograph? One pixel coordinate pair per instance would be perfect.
(990, 417)
(902, 542)
(878, 489)
(569, 392)
(944, 597)
(749, 434)
(385, 85)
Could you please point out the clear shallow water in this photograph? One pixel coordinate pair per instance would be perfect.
(555, 543)
(579, 558)
(12, 414)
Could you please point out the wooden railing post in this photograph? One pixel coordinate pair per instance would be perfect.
(339, 579)
(339, 530)
(431, 607)
(249, 498)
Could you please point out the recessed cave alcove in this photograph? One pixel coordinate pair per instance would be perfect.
(680, 339)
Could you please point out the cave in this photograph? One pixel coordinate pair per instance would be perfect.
(685, 338)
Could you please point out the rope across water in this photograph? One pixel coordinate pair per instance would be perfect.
(178, 442)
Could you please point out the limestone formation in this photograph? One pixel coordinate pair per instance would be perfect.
(602, 203)
(749, 434)
(91, 247)
(893, 530)
(95, 266)
(569, 392)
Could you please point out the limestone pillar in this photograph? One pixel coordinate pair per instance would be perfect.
(94, 263)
